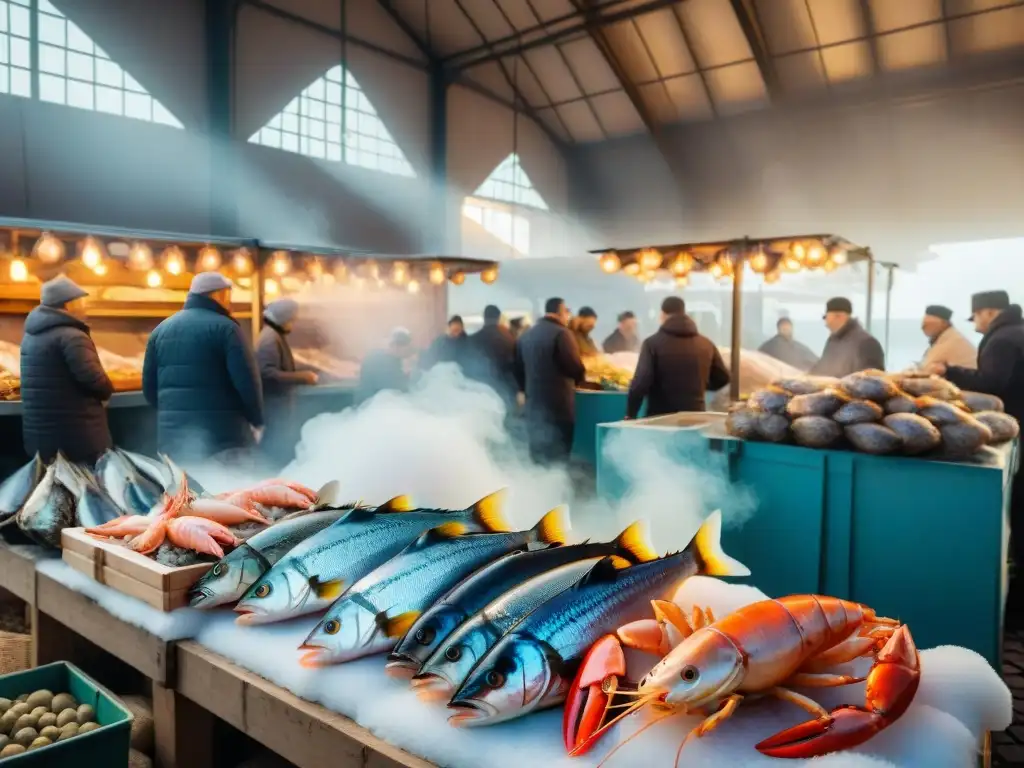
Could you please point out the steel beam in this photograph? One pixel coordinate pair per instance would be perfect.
(750, 23)
(871, 34)
(439, 200)
(220, 38)
(402, 24)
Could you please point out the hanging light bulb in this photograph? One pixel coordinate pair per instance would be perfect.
(838, 256)
(271, 287)
(458, 277)
(790, 263)
(490, 275)
(372, 269)
(413, 286)
(772, 277)
(610, 262)
(816, 256)
(208, 259)
(314, 268)
(717, 270)
(829, 265)
(140, 257)
(280, 263)
(154, 279)
(341, 273)
(173, 260)
(682, 281)
(91, 252)
(681, 265)
(19, 271)
(759, 261)
(436, 275)
(799, 252)
(399, 273)
(48, 249)
(100, 269)
(645, 277)
(357, 282)
(649, 259)
(633, 268)
(241, 262)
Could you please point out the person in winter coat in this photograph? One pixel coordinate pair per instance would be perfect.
(782, 346)
(279, 377)
(63, 385)
(1000, 372)
(946, 344)
(677, 366)
(385, 368)
(624, 338)
(850, 348)
(201, 376)
(582, 326)
(491, 356)
(449, 347)
(548, 367)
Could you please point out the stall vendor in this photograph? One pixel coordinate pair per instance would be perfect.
(624, 338)
(582, 326)
(201, 376)
(946, 344)
(849, 348)
(280, 377)
(449, 347)
(63, 384)
(782, 346)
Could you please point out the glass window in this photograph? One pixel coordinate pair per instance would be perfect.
(15, 58)
(510, 184)
(500, 221)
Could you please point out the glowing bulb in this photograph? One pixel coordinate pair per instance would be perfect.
(649, 259)
(489, 276)
(315, 268)
(413, 286)
(399, 273)
(271, 287)
(682, 281)
(632, 268)
(358, 282)
(458, 278)
(772, 277)
(19, 271)
(154, 279)
(437, 276)
(280, 263)
(681, 264)
(209, 259)
(140, 257)
(91, 253)
(48, 249)
(173, 260)
(241, 262)
(829, 265)
(816, 256)
(799, 252)
(791, 263)
(759, 262)
(341, 272)
(717, 270)
(838, 256)
(372, 270)
(100, 269)
(645, 277)
(610, 262)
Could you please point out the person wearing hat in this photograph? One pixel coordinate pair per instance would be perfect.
(624, 338)
(279, 377)
(491, 355)
(946, 344)
(200, 374)
(385, 369)
(63, 384)
(782, 346)
(849, 348)
(449, 347)
(581, 326)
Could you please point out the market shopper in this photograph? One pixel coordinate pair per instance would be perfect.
(491, 354)
(782, 346)
(547, 368)
(201, 376)
(280, 377)
(387, 368)
(582, 326)
(946, 344)
(624, 338)
(449, 347)
(849, 348)
(63, 385)
(677, 366)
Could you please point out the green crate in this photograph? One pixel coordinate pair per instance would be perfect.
(106, 746)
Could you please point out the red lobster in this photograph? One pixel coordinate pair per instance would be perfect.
(710, 666)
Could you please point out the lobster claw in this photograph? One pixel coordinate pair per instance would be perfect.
(586, 713)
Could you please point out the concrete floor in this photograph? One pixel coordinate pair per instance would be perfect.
(1008, 746)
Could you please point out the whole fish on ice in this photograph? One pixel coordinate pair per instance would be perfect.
(16, 489)
(379, 608)
(153, 469)
(49, 510)
(131, 490)
(95, 507)
(317, 571)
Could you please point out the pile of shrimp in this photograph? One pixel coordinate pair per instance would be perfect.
(200, 524)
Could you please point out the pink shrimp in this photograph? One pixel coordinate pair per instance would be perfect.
(155, 534)
(126, 525)
(270, 496)
(200, 535)
(224, 512)
(300, 489)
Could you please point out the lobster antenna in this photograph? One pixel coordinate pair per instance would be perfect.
(632, 736)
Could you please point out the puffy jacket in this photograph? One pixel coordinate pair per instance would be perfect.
(491, 359)
(445, 349)
(279, 378)
(951, 348)
(201, 376)
(381, 370)
(63, 388)
(677, 367)
(848, 350)
(789, 351)
(1000, 363)
(617, 341)
(547, 368)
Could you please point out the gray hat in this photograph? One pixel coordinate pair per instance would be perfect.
(209, 282)
(282, 311)
(59, 291)
(401, 337)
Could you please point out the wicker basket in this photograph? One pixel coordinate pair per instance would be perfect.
(15, 652)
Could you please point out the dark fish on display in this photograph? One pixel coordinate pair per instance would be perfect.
(918, 435)
(49, 510)
(771, 399)
(873, 438)
(815, 431)
(742, 423)
(979, 402)
(869, 385)
(1003, 426)
(823, 403)
(16, 489)
(932, 386)
(964, 438)
(859, 412)
(773, 427)
(939, 412)
(901, 403)
(806, 385)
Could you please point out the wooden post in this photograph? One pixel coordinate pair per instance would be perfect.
(257, 293)
(183, 731)
(740, 261)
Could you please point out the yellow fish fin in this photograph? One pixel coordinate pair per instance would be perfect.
(489, 512)
(618, 563)
(398, 626)
(398, 504)
(636, 541)
(450, 530)
(554, 526)
(327, 590)
(709, 549)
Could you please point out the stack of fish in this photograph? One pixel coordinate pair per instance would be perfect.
(875, 412)
(459, 599)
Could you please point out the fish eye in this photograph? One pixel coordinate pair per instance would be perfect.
(218, 569)
(454, 653)
(518, 551)
(689, 674)
(262, 590)
(425, 636)
(494, 679)
(331, 627)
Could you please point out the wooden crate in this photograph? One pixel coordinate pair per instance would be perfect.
(114, 564)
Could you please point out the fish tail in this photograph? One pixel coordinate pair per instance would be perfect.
(636, 542)
(489, 512)
(553, 528)
(707, 546)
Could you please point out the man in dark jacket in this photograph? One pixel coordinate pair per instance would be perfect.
(624, 338)
(279, 377)
(782, 346)
(850, 348)
(201, 376)
(547, 368)
(1000, 372)
(677, 366)
(491, 356)
(449, 347)
(63, 384)
(385, 368)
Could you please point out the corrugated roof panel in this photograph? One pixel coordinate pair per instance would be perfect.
(554, 75)
(738, 88)
(490, 77)
(488, 18)
(589, 66)
(580, 121)
(552, 9)
(629, 48)
(957, 7)
(988, 31)
(413, 14)
(525, 82)
(659, 102)
(787, 25)
(550, 118)
(837, 20)
(660, 30)
(714, 32)
(518, 12)
(920, 47)
(690, 98)
(888, 15)
(450, 31)
(617, 114)
(327, 14)
(851, 61)
(801, 72)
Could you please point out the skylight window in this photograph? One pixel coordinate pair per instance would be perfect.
(510, 184)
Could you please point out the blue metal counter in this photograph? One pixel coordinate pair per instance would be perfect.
(916, 539)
